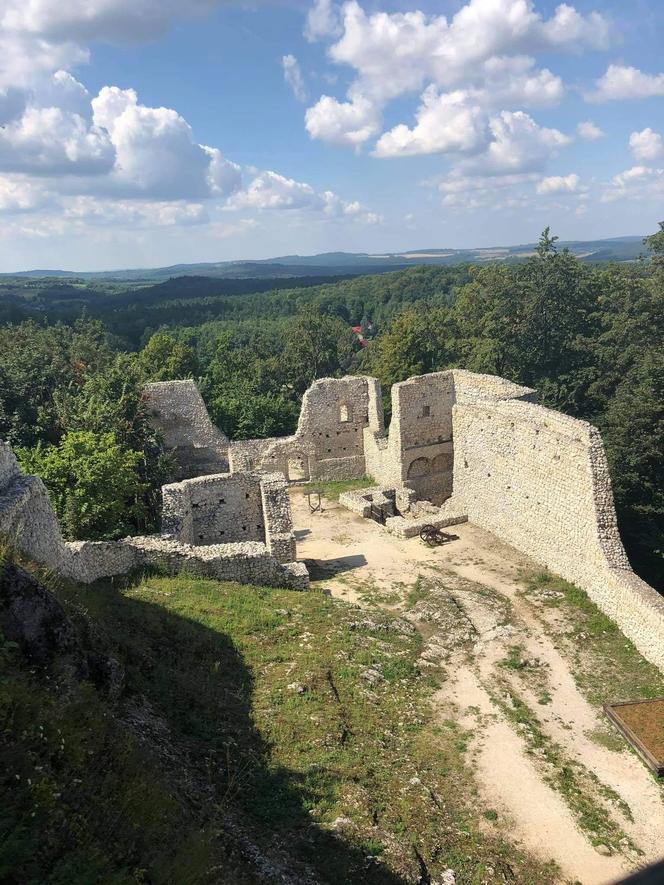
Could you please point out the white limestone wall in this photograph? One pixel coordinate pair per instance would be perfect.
(231, 508)
(177, 410)
(540, 481)
(419, 448)
(217, 509)
(28, 522)
(328, 443)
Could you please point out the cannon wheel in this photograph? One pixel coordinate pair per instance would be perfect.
(430, 535)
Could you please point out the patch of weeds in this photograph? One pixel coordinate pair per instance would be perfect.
(490, 814)
(331, 490)
(544, 698)
(370, 592)
(514, 659)
(420, 590)
(394, 670)
(605, 664)
(610, 740)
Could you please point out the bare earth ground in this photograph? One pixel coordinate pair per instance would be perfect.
(594, 809)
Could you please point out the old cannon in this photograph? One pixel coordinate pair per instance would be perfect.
(434, 537)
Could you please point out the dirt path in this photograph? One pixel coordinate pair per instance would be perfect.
(467, 600)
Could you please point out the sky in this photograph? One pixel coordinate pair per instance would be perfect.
(140, 133)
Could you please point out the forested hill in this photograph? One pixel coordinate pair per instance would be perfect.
(73, 358)
(133, 313)
(342, 263)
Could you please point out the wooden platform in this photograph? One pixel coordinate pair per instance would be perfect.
(642, 724)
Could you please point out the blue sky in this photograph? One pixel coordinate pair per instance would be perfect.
(148, 132)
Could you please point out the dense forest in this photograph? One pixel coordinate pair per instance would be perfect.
(73, 357)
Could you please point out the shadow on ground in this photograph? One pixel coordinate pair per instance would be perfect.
(187, 699)
(319, 569)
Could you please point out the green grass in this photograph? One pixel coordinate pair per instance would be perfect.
(606, 665)
(419, 591)
(331, 490)
(514, 659)
(251, 703)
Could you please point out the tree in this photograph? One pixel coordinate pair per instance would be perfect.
(94, 484)
(417, 342)
(633, 431)
(165, 358)
(316, 346)
(112, 402)
(655, 244)
(35, 361)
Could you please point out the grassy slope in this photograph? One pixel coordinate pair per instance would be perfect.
(290, 714)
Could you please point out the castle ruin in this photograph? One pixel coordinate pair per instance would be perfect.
(460, 446)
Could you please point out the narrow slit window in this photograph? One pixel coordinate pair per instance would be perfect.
(426, 411)
(344, 413)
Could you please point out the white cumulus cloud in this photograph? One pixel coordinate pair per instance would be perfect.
(447, 122)
(559, 184)
(518, 144)
(342, 122)
(52, 141)
(623, 81)
(155, 151)
(589, 131)
(271, 191)
(322, 21)
(646, 145)
(111, 20)
(643, 183)
(485, 49)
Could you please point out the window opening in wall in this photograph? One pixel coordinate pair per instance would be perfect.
(344, 413)
(426, 411)
(296, 469)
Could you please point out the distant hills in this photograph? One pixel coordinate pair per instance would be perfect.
(350, 263)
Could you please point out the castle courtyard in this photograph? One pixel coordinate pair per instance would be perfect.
(514, 668)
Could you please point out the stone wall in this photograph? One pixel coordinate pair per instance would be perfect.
(177, 410)
(539, 480)
(419, 450)
(217, 509)
(328, 443)
(27, 522)
(231, 508)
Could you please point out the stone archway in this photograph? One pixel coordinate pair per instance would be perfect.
(419, 467)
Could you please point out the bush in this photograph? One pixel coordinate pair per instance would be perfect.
(93, 482)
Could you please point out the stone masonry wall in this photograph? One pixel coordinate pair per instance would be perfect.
(328, 443)
(27, 521)
(231, 508)
(419, 450)
(539, 480)
(217, 509)
(177, 410)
